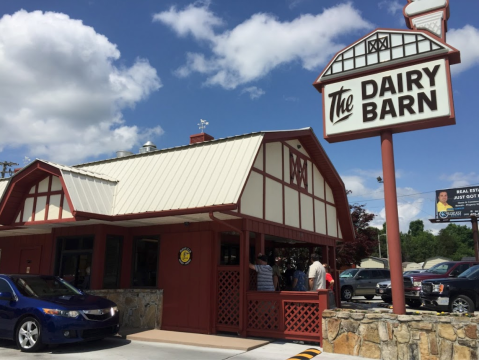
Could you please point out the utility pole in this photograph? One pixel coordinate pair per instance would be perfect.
(4, 165)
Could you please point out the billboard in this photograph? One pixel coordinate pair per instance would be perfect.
(457, 203)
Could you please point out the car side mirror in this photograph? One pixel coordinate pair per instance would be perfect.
(359, 277)
(453, 274)
(6, 295)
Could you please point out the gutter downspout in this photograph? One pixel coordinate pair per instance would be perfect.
(243, 271)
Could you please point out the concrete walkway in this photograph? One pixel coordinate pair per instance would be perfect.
(211, 341)
(249, 349)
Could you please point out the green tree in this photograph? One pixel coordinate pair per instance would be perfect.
(365, 241)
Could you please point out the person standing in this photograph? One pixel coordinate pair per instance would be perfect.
(317, 274)
(277, 274)
(265, 273)
(329, 277)
(299, 278)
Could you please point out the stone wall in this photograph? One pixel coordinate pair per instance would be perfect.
(139, 308)
(383, 335)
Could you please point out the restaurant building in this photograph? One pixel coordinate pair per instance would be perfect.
(184, 223)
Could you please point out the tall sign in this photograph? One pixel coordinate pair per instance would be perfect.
(392, 81)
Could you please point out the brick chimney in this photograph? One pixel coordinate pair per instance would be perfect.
(197, 138)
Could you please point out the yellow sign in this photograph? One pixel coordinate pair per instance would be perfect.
(185, 256)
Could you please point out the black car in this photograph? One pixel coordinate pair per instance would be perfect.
(460, 295)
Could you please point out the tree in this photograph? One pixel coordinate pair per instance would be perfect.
(365, 241)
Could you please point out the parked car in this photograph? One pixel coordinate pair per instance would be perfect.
(416, 271)
(412, 283)
(383, 289)
(355, 282)
(459, 295)
(36, 310)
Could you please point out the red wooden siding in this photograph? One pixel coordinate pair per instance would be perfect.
(20, 252)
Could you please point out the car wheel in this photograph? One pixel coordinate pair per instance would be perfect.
(387, 299)
(346, 293)
(29, 333)
(369, 297)
(414, 304)
(462, 304)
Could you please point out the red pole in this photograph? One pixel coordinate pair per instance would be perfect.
(392, 221)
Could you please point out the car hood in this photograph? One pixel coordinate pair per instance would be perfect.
(78, 302)
(445, 280)
(424, 276)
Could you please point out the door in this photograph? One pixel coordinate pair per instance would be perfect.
(7, 313)
(30, 260)
(186, 287)
(363, 281)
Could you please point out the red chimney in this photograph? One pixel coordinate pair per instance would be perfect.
(197, 138)
(16, 170)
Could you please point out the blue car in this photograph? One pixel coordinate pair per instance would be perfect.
(36, 310)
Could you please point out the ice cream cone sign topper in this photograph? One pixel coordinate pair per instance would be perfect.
(429, 15)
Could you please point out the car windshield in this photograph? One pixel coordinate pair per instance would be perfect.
(441, 268)
(471, 273)
(348, 273)
(43, 286)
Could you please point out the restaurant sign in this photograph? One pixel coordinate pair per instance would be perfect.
(408, 94)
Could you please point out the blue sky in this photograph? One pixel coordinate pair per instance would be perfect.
(82, 79)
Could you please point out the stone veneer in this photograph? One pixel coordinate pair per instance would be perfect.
(139, 308)
(383, 335)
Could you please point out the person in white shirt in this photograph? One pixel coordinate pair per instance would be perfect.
(317, 274)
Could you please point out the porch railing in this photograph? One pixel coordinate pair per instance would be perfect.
(286, 314)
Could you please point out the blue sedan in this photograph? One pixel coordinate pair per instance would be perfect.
(36, 310)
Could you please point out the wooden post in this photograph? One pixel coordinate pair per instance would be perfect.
(244, 280)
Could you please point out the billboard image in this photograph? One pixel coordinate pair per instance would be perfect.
(457, 203)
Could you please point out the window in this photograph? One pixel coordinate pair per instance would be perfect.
(145, 261)
(459, 269)
(230, 248)
(5, 287)
(113, 253)
(366, 274)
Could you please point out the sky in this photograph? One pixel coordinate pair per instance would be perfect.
(82, 79)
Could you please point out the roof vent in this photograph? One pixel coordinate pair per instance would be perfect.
(148, 147)
(123, 153)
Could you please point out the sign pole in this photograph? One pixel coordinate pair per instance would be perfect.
(392, 221)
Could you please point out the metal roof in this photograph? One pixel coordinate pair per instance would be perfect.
(190, 177)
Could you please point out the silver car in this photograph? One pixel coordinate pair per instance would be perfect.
(363, 282)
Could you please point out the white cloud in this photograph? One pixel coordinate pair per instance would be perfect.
(459, 179)
(261, 43)
(195, 20)
(466, 40)
(392, 7)
(254, 92)
(61, 94)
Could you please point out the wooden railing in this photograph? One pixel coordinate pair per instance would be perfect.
(292, 315)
